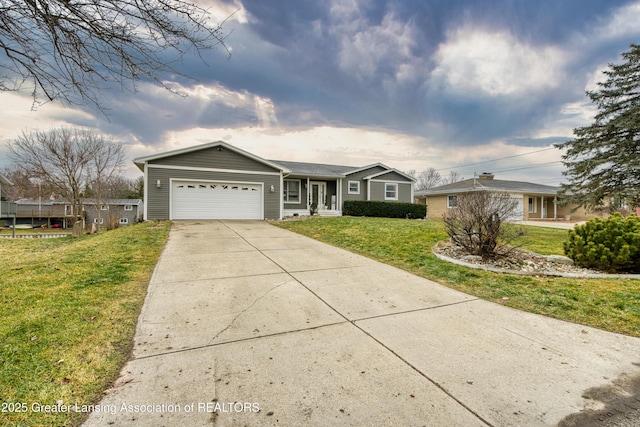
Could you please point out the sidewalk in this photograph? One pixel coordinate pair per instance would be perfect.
(553, 224)
(249, 324)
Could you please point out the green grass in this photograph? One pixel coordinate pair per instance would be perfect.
(544, 240)
(609, 304)
(69, 310)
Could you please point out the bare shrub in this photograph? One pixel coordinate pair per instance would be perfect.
(477, 224)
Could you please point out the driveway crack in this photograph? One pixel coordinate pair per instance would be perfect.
(245, 310)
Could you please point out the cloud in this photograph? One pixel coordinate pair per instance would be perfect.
(19, 113)
(321, 144)
(148, 115)
(414, 84)
(482, 63)
(622, 23)
(383, 51)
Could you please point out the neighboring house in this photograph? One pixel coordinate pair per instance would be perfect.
(113, 212)
(535, 201)
(220, 181)
(7, 209)
(52, 212)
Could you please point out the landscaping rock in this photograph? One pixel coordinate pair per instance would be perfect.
(561, 259)
(517, 260)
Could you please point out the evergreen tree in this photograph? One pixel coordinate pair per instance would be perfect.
(604, 158)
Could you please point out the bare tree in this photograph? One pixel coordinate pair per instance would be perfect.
(66, 159)
(71, 49)
(477, 223)
(24, 185)
(120, 187)
(105, 165)
(452, 177)
(428, 179)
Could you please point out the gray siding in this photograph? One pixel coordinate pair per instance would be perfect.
(363, 184)
(332, 187)
(112, 214)
(158, 198)
(371, 171)
(391, 176)
(404, 192)
(214, 159)
(303, 194)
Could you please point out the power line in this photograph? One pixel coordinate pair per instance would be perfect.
(546, 180)
(495, 160)
(537, 165)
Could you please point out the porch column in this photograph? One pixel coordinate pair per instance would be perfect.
(339, 194)
(542, 207)
(308, 193)
(555, 208)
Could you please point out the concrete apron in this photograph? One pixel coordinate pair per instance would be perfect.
(248, 324)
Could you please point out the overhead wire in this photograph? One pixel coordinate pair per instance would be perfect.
(495, 160)
(536, 165)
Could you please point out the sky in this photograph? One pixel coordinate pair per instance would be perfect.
(468, 86)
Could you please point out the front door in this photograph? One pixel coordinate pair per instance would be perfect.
(319, 194)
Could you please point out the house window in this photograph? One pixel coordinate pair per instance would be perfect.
(98, 220)
(128, 207)
(104, 207)
(391, 191)
(354, 187)
(532, 205)
(291, 191)
(452, 201)
(124, 221)
(68, 210)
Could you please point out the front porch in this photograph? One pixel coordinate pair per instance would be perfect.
(541, 206)
(304, 196)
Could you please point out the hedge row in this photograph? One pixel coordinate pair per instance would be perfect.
(383, 209)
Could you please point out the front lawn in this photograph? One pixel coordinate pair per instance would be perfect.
(69, 311)
(610, 304)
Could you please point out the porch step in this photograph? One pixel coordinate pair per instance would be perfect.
(330, 213)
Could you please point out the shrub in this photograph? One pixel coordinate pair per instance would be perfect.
(383, 209)
(611, 244)
(477, 223)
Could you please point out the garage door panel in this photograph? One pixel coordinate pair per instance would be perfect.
(518, 212)
(216, 200)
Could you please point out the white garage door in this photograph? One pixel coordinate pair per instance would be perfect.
(215, 200)
(518, 213)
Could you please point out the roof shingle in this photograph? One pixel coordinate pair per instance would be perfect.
(476, 184)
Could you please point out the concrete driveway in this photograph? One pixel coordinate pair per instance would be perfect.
(249, 324)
